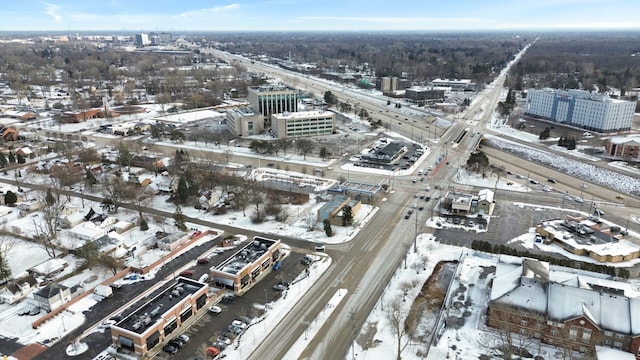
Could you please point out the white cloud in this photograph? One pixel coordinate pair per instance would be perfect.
(52, 10)
(216, 9)
(392, 20)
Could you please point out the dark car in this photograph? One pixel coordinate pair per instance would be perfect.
(227, 299)
(170, 349)
(306, 260)
(203, 260)
(177, 343)
(553, 181)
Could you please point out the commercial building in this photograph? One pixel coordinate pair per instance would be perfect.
(273, 99)
(469, 204)
(624, 147)
(423, 95)
(241, 270)
(244, 121)
(385, 153)
(332, 210)
(142, 40)
(574, 310)
(580, 109)
(169, 309)
(303, 123)
(454, 84)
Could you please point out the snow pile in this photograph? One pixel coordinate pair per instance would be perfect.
(576, 168)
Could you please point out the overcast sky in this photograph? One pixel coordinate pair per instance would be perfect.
(318, 15)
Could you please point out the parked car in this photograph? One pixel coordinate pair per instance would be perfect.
(220, 345)
(227, 298)
(203, 260)
(213, 351)
(184, 338)
(224, 340)
(279, 287)
(176, 343)
(306, 260)
(214, 309)
(320, 247)
(170, 349)
(239, 323)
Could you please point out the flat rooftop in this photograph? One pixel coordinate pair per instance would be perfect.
(246, 255)
(146, 312)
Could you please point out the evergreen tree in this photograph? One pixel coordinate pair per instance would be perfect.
(179, 219)
(327, 227)
(12, 157)
(5, 269)
(3, 160)
(347, 216)
(21, 159)
(143, 224)
(183, 190)
(10, 198)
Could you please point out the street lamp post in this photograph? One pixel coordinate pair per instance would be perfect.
(415, 238)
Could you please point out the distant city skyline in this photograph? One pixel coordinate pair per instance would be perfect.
(327, 15)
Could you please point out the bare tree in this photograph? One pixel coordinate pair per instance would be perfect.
(47, 228)
(396, 314)
(256, 197)
(6, 244)
(310, 221)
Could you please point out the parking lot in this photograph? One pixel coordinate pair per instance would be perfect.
(219, 329)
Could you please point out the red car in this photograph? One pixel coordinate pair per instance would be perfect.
(187, 273)
(213, 351)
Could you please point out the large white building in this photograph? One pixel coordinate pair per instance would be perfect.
(580, 109)
(303, 123)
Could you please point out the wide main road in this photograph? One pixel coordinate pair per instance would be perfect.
(365, 265)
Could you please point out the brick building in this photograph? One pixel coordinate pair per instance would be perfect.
(575, 310)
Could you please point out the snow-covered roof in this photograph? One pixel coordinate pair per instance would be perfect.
(530, 294)
(485, 194)
(49, 266)
(631, 140)
(566, 302)
(634, 308)
(620, 320)
(607, 353)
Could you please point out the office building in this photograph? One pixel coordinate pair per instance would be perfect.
(580, 109)
(303, 123)
(244, 121)
(142, 40)
(273, 99)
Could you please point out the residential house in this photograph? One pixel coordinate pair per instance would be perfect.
(51, 297)
(17, 289)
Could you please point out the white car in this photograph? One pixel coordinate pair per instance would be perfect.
(239, 324)
(215, 309)
(184, 338)
(319, 247)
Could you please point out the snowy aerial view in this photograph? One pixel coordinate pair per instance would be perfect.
(279, 194)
